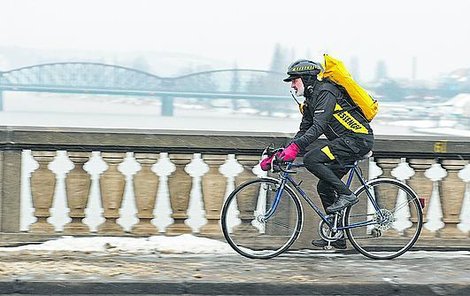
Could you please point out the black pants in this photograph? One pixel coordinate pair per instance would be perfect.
(327, 164)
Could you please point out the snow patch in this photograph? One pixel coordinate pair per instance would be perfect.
(181, 244)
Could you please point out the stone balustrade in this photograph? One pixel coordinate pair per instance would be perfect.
(121, 182)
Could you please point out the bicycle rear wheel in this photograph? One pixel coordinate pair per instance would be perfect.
(391, 232)
(246, 227)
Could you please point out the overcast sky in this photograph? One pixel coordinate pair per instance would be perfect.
(245, 31)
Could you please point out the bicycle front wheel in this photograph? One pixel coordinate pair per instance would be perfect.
(393, 229)
(255, 225)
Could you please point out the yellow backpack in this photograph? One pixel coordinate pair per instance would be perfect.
(337, 72)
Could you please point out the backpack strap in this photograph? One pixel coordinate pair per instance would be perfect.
(336, 90)
(347, 98)
(327, 85)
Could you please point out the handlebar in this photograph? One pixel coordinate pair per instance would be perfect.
(270, 150)
(279, 164)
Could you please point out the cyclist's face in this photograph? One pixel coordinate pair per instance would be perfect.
(298, 86)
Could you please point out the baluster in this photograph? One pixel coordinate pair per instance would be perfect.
(112, 184)
(77, 184)
(434, 214)
(374, 172)
(391, 193)
(213, 190)
(464, 224)
(246, 202)
(387, 196)
(402, 214)
(248, 163)
(179, 183)
(43, 183)
(145, 191)
(453, 190)
(420, 184)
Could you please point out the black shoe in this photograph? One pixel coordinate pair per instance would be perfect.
(343, 201)
(338, 244)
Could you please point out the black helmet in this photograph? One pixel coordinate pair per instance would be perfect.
(302, 68)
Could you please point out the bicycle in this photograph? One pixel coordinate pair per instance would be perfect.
(384, 224)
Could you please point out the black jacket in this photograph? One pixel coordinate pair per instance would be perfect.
(329, 110)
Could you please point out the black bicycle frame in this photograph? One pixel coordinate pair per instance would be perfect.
(286, 178)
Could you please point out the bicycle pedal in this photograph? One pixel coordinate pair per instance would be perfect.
(327, 248)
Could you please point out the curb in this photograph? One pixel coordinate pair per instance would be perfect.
(211, 288)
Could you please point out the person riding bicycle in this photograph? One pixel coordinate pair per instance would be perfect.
(327, 110)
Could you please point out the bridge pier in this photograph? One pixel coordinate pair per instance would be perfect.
(167, 106)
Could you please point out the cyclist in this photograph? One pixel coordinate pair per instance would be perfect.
(327, 110)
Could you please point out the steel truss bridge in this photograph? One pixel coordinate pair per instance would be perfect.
(98, 78)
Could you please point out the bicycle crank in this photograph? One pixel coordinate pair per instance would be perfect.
(326, 233)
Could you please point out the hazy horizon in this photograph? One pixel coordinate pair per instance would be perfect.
(245, 33)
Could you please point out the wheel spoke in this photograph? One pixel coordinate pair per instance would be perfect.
(401, 206)
(255, 238)
(398, 224)
(283, 225)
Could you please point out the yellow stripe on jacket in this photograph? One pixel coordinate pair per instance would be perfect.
(349, 122)
(328, 153)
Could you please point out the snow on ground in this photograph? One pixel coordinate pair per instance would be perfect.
(178, 245)
(181, 244)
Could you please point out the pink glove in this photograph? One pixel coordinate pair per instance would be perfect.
(290, 153)
(266, 163)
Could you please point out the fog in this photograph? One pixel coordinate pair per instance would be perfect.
(222, 33)
(413, 57)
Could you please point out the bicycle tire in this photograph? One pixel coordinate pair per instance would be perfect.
(393, 235)
(257, 239)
